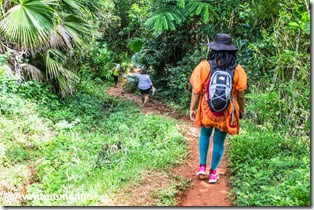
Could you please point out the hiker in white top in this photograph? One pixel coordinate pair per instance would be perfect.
(144, 84)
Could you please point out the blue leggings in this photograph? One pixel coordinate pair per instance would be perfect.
(219, 139)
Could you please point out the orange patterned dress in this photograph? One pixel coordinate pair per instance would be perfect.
(204, 116)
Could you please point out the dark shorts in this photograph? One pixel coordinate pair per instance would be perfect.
(115, 78)
(145, 91)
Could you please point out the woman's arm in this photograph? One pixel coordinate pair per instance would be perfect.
(128, 76)
(241, 101)
(194, 100)
(150, 82)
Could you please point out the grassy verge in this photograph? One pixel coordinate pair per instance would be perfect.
(91, 144)
(154, 188)
(269, 170)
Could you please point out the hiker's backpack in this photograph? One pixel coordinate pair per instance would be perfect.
(219, 87)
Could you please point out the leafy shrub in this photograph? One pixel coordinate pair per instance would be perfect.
(100, 60)
(37, 91)
(176, 80)
(265, 108)
(8, 81)
(136, 44)
(268, 169)
(17, 154)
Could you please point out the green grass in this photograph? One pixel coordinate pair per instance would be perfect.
(91, 143)
(268, 169)
(168, 196)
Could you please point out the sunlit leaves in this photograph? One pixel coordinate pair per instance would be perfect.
(76, 27)
(45, 27)
(165, 19)
(136, 44)
(181, 3)
(168, 16)
(28, 23)
(199, 8)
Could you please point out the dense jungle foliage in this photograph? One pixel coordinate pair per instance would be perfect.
(56, 64)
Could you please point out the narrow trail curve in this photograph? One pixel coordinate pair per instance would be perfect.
(200, 193)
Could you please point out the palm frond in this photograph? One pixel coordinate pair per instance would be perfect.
(66, 81)
(28, 24)
(76, 28)
(9, 68)
(92, 6)
(73, 5)
(56, 71)
(60, 38)
(54, 62)
(31, 72)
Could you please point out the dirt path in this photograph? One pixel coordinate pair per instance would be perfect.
(201, 193)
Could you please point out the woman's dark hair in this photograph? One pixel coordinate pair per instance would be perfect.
(143, 71)
(226, 58)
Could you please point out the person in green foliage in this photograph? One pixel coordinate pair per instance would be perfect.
(115, 74)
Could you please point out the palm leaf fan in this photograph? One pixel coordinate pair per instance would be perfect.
(28, 24)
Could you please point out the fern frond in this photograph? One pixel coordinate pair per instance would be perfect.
(169, 16)
(203, 9)
(191, 7)
(199, 8)
(178, 16)
(205, 16)
(165, 22)
(171, 26)
(181, 3)
(165, 18)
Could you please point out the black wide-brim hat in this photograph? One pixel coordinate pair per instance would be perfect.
(222, 42)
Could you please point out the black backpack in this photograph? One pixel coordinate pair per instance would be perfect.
(219, 87)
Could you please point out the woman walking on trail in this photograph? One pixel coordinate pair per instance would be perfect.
(144, 84)
(115, 74)
(218, 88)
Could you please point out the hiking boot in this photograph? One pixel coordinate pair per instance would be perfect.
(201, 171)
(213, 176)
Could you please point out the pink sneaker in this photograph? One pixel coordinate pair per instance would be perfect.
(213, 176)
(201, 171)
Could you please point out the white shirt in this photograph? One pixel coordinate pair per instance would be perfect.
(144, 81)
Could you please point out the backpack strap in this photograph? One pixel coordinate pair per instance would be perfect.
(212, 65)
(232, 70)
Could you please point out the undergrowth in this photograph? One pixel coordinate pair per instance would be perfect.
(88, 144)
(268, 169)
